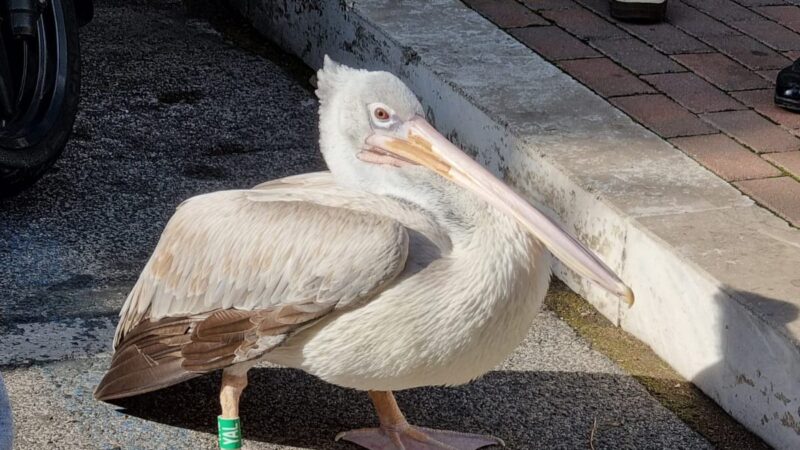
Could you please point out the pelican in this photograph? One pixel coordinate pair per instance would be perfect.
(407, 264)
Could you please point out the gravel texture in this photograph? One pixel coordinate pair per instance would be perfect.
(549, 394)
(168, 111)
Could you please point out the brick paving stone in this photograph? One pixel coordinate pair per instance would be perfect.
(506, 13)
(584, 24)
(605, 77)
(762, 101)
(538, 5)
(599, 7)
(666, 38)
(553, 43)
(726, 157)
(693, 92)
(781, 195)
(789, 161)
(636, 56)
(788, 16)
(695, 22)
(748, 51)
(665, 117)
(722, 71)
(769, 33)
(754, 131)
(770, 75)
(724, 10)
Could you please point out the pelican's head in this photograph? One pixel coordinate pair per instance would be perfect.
(374, 138)
(356, 105)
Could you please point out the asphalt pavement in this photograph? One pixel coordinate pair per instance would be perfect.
(171, 109)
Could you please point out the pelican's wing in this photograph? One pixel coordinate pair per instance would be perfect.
(235, 272)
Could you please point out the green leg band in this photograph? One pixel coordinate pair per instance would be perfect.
(230, 433)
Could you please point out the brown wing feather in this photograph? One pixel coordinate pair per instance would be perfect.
(248, 250)
(157, 354)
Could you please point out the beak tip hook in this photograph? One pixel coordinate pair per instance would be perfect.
(628, 297)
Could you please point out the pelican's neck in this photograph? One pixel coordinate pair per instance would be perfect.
(468, 218)
(463, 214)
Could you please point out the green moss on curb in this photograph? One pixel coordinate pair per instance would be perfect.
(690, 404)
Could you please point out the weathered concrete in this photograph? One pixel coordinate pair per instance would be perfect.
(715, 276)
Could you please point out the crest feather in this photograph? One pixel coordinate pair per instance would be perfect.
(331, 74)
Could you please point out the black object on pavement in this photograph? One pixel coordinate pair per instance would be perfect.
(787, 87)
(639, 11)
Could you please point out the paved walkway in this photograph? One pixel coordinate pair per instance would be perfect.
(547, 395)
(704, 80)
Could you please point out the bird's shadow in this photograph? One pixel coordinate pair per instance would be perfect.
(526, 409)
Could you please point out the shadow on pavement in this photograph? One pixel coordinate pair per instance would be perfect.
(526, 409)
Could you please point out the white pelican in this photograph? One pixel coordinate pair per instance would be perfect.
(408, 264)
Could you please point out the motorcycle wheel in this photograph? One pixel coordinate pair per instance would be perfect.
(45, 77)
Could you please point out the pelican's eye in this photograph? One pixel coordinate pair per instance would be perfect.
(381, 114)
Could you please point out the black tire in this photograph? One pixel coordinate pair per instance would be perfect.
(23, 161)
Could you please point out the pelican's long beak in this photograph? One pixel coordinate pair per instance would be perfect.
(418, 142)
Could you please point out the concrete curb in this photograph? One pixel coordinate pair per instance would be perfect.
(716, 276)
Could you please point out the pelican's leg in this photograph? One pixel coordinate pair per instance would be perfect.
(230, 431)
(395, 433)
